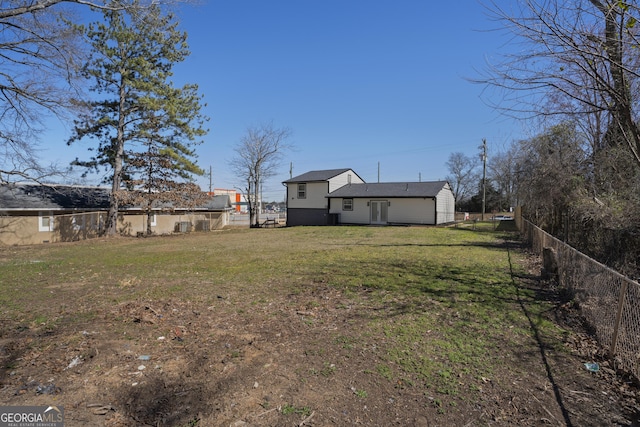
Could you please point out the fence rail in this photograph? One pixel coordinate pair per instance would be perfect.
(607, 299)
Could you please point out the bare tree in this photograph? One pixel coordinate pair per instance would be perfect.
(24, 7)
(463, 175)
(41, 54)
(577, 62)
(502, 172)
(551, 170)
(575, 58)
(258, 156)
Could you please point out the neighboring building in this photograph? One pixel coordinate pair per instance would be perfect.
(35, 213)
(306, 195)
(237, 199)
(340, 196)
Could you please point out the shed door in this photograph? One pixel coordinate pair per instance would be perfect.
(378, 211)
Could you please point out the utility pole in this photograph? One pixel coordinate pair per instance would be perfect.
(378, 172)
(483, 156)
(290, 170)
(210, 179)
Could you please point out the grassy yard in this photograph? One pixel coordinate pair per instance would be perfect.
(313, 325)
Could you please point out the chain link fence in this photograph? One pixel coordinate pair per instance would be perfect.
(608, 300)
(88, 225)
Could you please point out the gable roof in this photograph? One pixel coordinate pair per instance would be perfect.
(26, 197)
(320, 175)
(390, 189)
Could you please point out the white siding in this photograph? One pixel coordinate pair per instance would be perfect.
(343, 179)
(446, 206)
(317, 191)
(359, 214)
(316, 196)
(402, 211)
(412, 211)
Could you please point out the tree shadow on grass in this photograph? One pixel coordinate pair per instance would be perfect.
(542, 346)
(501, 240)
(398, 287)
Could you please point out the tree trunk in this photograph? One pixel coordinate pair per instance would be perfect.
(112, 215)
(626, 128)
(112, 226)
(250, 204)
(256, 207)
(149, 217)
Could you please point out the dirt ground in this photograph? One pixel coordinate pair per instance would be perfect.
(303, 359)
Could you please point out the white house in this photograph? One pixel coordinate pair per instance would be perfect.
(340, 197)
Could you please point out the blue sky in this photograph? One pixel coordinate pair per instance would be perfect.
(357, 82)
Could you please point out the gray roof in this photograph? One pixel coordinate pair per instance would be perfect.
(42, 197)
(52, 197)
(220, 202)
(322, 175)
(390, 189)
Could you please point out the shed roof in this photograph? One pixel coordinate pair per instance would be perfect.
(390, 189)
(320, 175)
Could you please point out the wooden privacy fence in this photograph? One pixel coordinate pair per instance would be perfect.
(609, 301)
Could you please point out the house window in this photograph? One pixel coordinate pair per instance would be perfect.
(347, 204)
(45, 221)
(154, 220)
(302, 191)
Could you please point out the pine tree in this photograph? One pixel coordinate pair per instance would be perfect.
(162, 170)
(138, 113)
